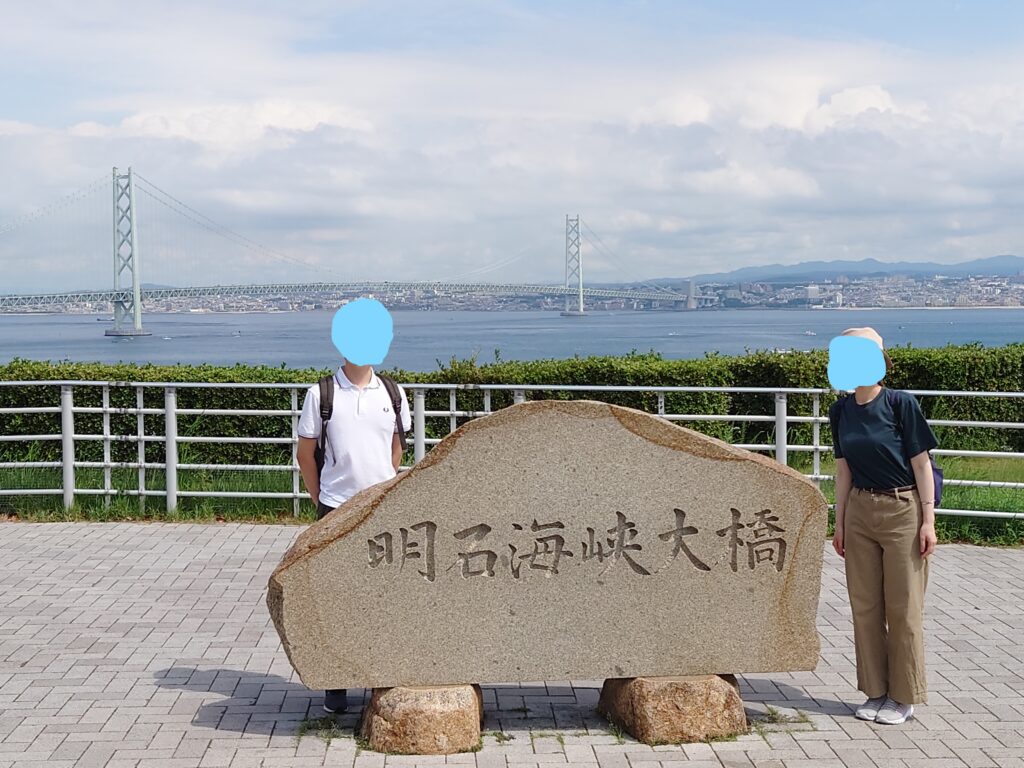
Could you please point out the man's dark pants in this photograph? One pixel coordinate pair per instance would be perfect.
(338, 694)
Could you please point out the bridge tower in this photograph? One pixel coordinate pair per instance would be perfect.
(126, 257)
(573, 267)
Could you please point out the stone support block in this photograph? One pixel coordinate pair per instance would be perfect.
(670, 710)
(437, 720)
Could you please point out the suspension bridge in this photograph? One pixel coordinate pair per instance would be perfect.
(128, 294)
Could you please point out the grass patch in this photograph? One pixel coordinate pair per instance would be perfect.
(247, 509)
(730, 737)
(973, 530)
(560, 738)
(362, 743)
(501, 737)
(616, 731)
(952, 528)
(773, 717)
(325, 728)
(95, 508)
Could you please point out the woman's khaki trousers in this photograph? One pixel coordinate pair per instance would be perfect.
(886, 578)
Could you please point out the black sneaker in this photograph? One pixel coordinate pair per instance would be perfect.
(336, 701)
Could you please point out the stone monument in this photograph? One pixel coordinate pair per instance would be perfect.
(559, 540)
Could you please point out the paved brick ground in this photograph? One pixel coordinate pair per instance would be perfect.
(150, 646)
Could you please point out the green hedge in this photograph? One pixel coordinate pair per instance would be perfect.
(969, 368)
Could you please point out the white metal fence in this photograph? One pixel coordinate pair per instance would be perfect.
(171, 466)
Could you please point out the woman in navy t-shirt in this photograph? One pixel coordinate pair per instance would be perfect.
(885, 530)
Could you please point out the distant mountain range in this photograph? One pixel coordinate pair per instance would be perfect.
(819, 271)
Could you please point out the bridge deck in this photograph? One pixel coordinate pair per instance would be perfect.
(358, 288)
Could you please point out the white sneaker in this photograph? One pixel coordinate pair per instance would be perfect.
(869, 709)
(894, 713)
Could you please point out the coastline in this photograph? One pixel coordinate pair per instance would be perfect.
(552, 311)
(174, 314)
(943, 309)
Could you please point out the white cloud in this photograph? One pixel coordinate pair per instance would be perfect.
(763, 183)
(844, 108)
(16, 128)
(424, 160)
(228, 128)
(678, 109)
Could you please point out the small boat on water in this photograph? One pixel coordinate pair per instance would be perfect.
(168, 338)
(810, 333)
(104, 319)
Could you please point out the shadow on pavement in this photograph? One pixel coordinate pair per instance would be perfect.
(253, 703)
(265, 704)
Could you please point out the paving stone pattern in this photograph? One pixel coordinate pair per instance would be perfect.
(150, 646)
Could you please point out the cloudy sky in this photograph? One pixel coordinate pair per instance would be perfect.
(438, 138)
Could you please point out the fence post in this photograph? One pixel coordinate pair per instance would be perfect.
(295, 453)
(487, 401)
(106, 445)
(518, 396)
(453, 423)
(817, 439)
(140, 432)
(419, 444)
(67, 440)
(781, 424)
(171, 445)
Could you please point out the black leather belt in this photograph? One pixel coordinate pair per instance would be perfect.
(894, 492)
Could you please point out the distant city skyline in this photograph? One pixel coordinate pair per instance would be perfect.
(995, 282)
(433, 139)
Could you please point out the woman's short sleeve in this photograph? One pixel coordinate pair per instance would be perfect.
(917, 435)
(833, 418)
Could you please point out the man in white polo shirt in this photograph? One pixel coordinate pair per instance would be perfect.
(363, 445)
(363, 448)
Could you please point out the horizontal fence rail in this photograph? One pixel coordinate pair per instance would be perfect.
(781, 419)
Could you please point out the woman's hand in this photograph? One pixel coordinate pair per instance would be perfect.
(928, 539)
(837, 541)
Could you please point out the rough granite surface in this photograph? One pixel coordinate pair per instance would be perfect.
(674, 710)
(424, 721)
(559, 540)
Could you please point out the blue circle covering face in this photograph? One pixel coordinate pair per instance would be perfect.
(854, 362)
(362, 331)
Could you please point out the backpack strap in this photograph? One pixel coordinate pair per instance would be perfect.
(840, 407)
(842, 401)
(890, 398)
(326, 410)
(396, 402)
